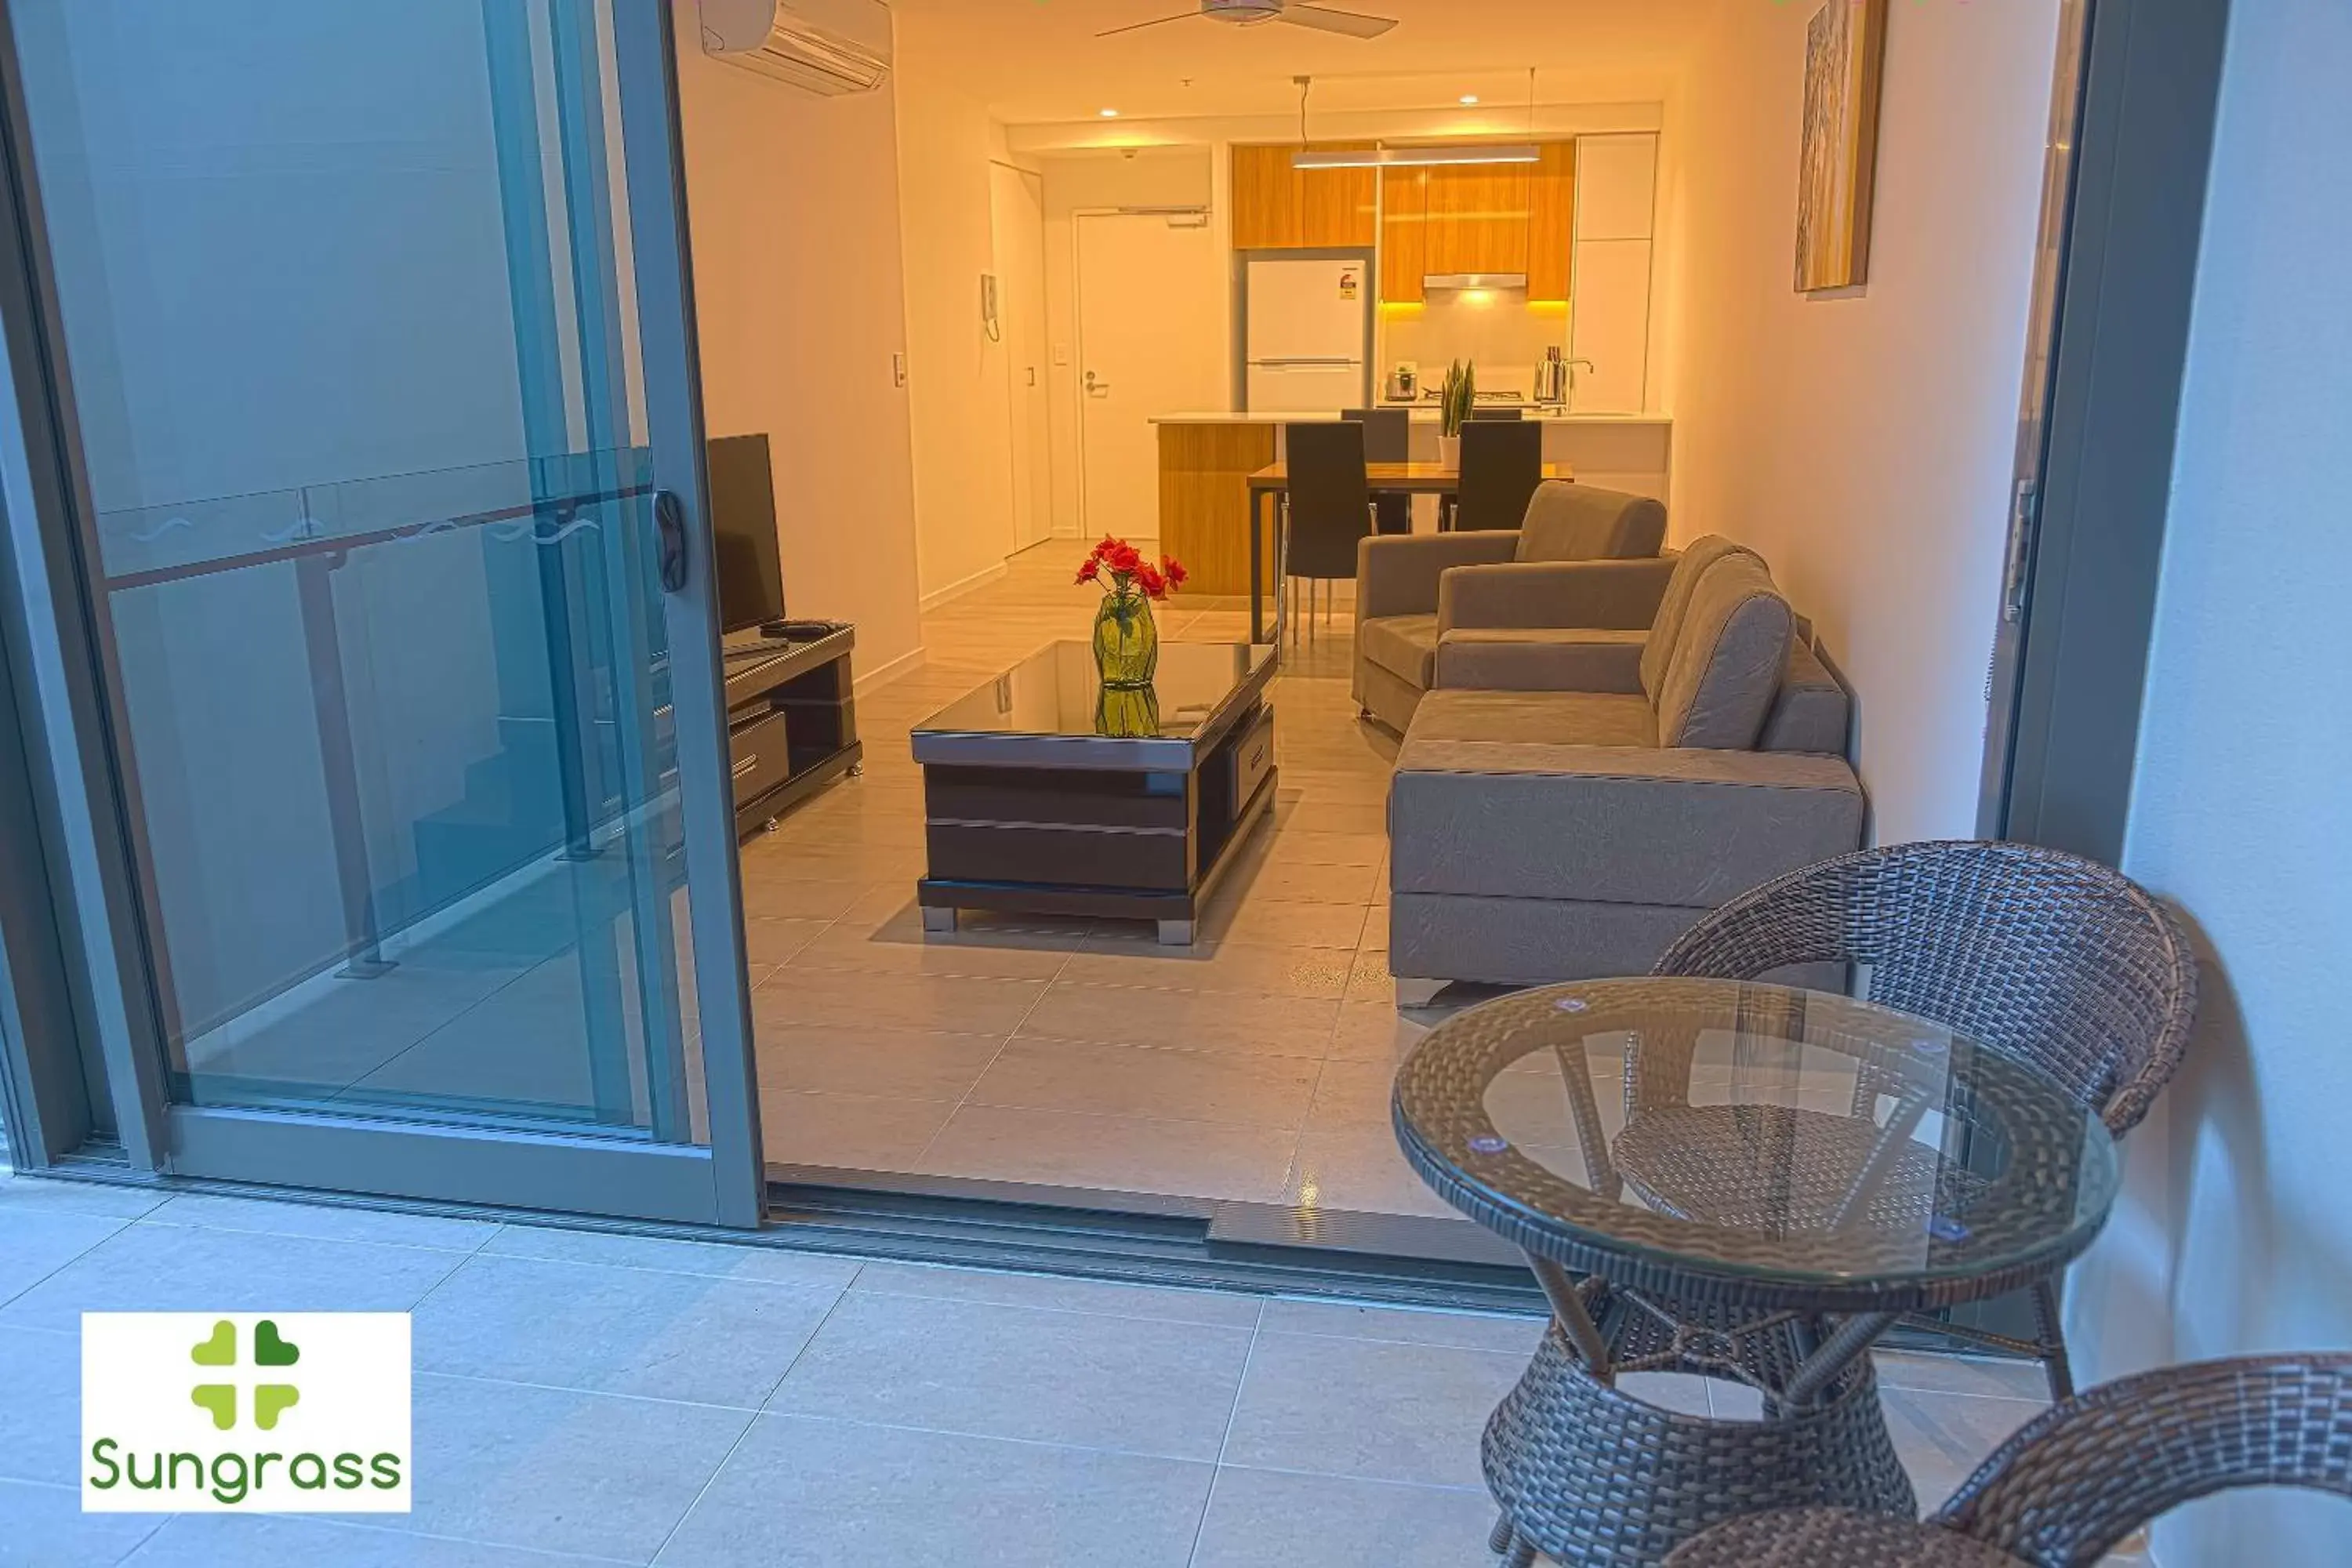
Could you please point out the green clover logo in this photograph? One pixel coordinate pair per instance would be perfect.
(271, 1400)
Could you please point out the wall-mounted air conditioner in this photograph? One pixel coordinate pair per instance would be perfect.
(827, 47)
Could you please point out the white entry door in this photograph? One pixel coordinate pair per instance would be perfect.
(1017, 213)
(1152, 342)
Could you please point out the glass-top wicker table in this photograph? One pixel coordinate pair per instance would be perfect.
(1742, 1181)
(1045, 793)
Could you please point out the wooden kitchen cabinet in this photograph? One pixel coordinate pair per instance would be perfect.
(1552, 217)
(1278, 207)
(1404, 234)
(1478, 218)
(1266, 199)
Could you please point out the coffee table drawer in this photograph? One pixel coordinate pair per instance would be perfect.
(1252, 756)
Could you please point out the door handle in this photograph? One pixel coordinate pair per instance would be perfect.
(1096, 388)
(670, 526)
(2024, 513)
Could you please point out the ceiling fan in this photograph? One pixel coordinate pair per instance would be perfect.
(1250, 13)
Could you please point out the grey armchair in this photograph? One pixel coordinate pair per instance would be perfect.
(1580, 553)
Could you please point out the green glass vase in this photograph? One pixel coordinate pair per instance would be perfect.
(1126, 712)
(1127, 641)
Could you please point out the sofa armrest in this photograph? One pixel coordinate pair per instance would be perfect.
(1625, 824)
(1617, 595)
(1398, 574)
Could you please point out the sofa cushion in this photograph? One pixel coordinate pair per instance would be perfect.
(1404, 646)
(1541, 658)
(1569, 522)
(1702, 553)
(1609, 823)
(1475, 729)
(1812, 712)
(1726, 670)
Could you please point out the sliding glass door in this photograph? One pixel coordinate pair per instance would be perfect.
(380, 493)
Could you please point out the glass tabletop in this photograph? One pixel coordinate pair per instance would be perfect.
(1053, 691)
(1664, 1134)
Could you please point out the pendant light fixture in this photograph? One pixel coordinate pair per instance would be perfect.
(1423, 157)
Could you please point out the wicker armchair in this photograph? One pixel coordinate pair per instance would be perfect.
(2041, 955)
(2079, 1478)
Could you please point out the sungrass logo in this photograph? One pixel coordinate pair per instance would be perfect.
(238, 1412)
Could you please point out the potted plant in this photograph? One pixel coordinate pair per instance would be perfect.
(1460, 390)
(1126, 640)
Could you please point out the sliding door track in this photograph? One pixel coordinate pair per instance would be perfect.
(1150, 1238)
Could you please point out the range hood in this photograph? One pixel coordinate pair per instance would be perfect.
(1476, 281)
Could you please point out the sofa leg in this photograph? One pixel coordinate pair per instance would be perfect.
(1411, 993)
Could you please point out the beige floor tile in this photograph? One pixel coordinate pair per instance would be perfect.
(769, 944)
(1189, 1159)
(1151, 1082)
(1246, 971)
(899, 1063)
(780, 897)
(1253, 1025)
(957, 1004)
(1357, 1168)
(1943, 1437)
(1379, 1032)
(854, 1132)
(1258, 879)
(1257, 923)
(1301, 845)
(891, 949)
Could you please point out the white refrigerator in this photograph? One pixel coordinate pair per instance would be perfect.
(1308, 334)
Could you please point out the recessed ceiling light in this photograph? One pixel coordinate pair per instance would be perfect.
(1469, 97)
(1107, 113)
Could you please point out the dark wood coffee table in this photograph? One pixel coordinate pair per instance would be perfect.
(1032, 809)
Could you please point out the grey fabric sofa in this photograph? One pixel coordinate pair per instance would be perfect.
(1580, 553)
(1575, 816)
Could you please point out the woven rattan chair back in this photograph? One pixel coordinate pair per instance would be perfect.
(2073, 1483)
(2041, 955)
(2070, 1485)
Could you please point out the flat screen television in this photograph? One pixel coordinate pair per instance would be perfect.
(744, 531)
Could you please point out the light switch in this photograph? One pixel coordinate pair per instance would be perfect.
(898, 370)
(1061, 353)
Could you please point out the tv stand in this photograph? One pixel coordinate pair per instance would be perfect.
(792, 718)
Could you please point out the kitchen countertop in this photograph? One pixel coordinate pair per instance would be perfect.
(1421, 413)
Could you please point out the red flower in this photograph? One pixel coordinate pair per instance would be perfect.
(1128, 567)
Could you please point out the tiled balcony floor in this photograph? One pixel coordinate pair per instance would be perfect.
(582, 1398)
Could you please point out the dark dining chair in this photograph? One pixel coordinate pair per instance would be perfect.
(1328, 508)
(1388, 438)
(1502, 463)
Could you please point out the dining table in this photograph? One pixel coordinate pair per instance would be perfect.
(1748, 1183)
(1270, 484)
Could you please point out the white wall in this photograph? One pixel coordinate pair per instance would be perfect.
(793, 206)
(2235, 1235)
(962, 419)
(1863, 443)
